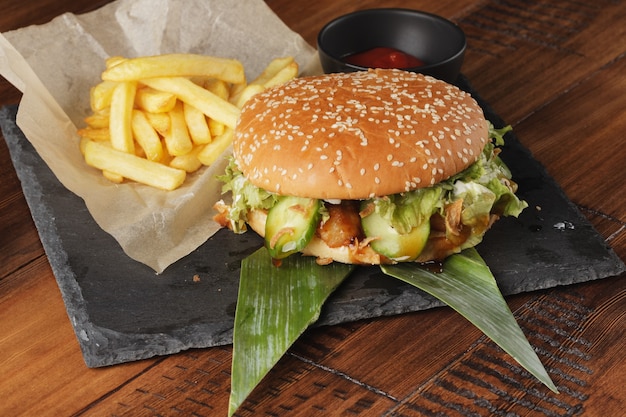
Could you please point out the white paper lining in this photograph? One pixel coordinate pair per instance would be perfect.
(55, 64)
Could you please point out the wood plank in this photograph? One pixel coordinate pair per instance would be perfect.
(16, 14)
(605, 332)
(193, 383)
(42, 366)
(613, 230)
(308, 18)
(556, 80)
(561, 326)
(534, 51)
(18, 237)
(377, 353)
(583, 124)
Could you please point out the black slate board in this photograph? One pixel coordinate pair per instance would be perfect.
(122, 311)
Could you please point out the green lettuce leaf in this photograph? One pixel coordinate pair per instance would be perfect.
(468, 286)
(274, 306)
(408, 210)
(477, 201)
(245, 196)
(498, 134)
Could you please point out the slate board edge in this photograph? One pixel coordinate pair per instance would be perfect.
(94, 339)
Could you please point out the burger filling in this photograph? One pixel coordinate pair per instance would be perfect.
(420, 225)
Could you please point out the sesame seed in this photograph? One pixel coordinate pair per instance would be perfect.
(393, 117)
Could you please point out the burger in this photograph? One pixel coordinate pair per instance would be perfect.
(371, 167)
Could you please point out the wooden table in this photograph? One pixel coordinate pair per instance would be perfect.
(555, 71)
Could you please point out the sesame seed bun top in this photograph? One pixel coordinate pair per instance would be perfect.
(358, 135)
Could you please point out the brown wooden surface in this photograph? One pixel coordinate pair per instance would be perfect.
(555, 71)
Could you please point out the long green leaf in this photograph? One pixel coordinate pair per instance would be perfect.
(274, 306)
(467, 285)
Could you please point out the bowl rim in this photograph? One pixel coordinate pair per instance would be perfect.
(439, 18)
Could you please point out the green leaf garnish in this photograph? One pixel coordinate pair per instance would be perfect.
(275, 305)
(467, 285)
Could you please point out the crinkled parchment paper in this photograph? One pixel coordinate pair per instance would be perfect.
(55, 65)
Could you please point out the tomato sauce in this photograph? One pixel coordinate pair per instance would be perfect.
(383, 57)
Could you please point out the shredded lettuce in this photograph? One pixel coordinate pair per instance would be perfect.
(498, 134)
(245, 196)
(478, 201)
(406, 211)
(496, 176)
(485, 186)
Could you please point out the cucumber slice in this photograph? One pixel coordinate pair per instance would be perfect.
(290, 225)
(392, 244)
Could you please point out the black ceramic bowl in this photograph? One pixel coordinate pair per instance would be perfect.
(436, 41)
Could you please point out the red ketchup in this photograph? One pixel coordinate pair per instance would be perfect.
(383, 57)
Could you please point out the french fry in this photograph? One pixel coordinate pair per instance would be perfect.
(100, 134)
(156, 119)
(236, 89)
(278, 71)
(176, 65)
(133, 167)
(167, 158)
(154, 101)
(177, 140)
(197, 125)
(282, 76)
(216, 128)
(246, 94)
(120, 118)
(100, 95)
(212, 151)
(83, 143)
(218, 87)
(98, 120)
(202, 99)
(222, 90)
(113, 177)
(273, 68)
(113, 61)
(146, 136)
(159, 121)
(188, 162)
